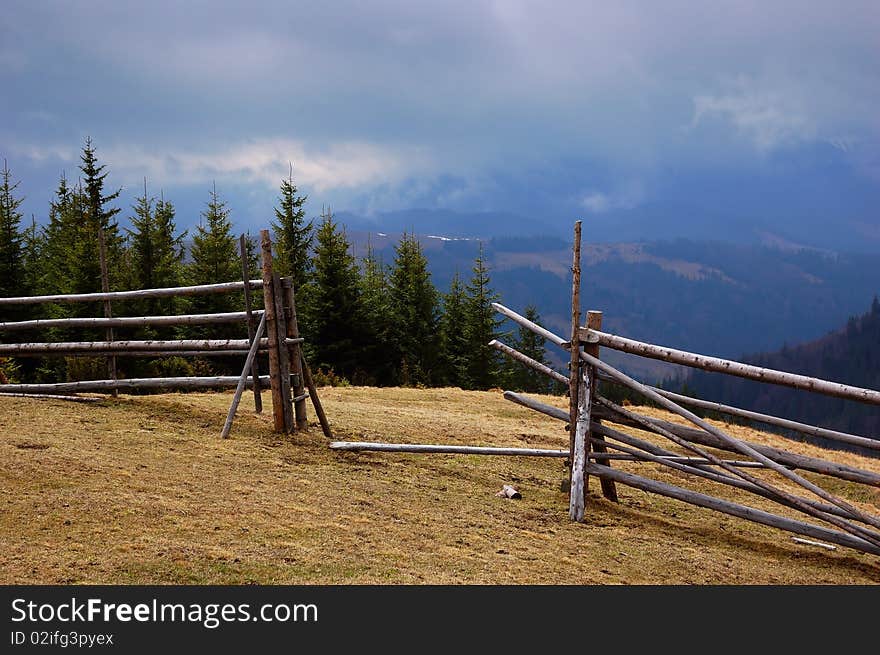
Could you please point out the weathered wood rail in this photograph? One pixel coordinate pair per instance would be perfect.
(129, 321)
(138, 294)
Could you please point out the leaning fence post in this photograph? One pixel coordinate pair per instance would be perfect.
(272, 333)
(246, 278)
(108, 309)
(594, 322)
(296, 367)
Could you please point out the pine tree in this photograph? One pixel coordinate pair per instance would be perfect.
(333, 301)
(60, 236)
(415, 311)
(452, 333)
(376, 323)
(532, 345)
(480, 327)
(92, 204)
(155, 251)
(12, 271)
(33, 250)
(214, 257)
(168, 249)
(142, 241)
(293, 235)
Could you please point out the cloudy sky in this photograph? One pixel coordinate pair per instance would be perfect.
(760, 110)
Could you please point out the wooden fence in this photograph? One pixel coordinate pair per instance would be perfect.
(594, 445)
(273, 331)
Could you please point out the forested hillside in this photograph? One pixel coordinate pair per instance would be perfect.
(850, 355)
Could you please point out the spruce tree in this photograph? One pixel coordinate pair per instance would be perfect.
(155, 251)
(59, 255)
(414, 307)
(33, 250)
(214, 257)
(532, 345)
(92, 205)
(12, 273)
(452, 333)
(60, 236)
(481, 326)
(142, 241)
(168, 248)
(333, 301)
(293, 235)
(376, 321)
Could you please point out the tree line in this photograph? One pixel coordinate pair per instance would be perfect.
(365, 321)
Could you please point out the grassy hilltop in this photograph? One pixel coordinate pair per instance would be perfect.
(142, 490)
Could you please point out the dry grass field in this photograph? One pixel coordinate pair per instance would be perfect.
(142, 490)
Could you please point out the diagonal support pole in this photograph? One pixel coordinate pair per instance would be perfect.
(248, 363)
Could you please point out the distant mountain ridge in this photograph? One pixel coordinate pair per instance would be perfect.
(849, 355)
(710, 297)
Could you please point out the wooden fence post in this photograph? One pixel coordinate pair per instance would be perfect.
(108, 309)
(594, 322)
(272, 333)
(296, 367)
(246, 276)
(283, 353)
(580, 450)
(574, 373)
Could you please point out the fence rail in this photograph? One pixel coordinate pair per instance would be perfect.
(165, 292)
(128, 321)
(719, 365)
(133, 383)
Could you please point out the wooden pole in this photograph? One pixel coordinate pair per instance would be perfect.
(730, 367)
(64, 347)
(784, 457)
(108, 309)
(744, 449)
(128, 321)
(594, 321)
(130, 383)
(245, 276)
(574, 371)
(635, 442)
(316, 402)
(199, 289)
(446, 449)
(299, 401)
(734, 509)
(370, 446)
(580, 451)
(803, 428)
(528, 361)
(50, 396)
(537, 406)
(152, 354)
(272, 332)
(248, 367)
(283, 353)
(519, 319)
(698, 469)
